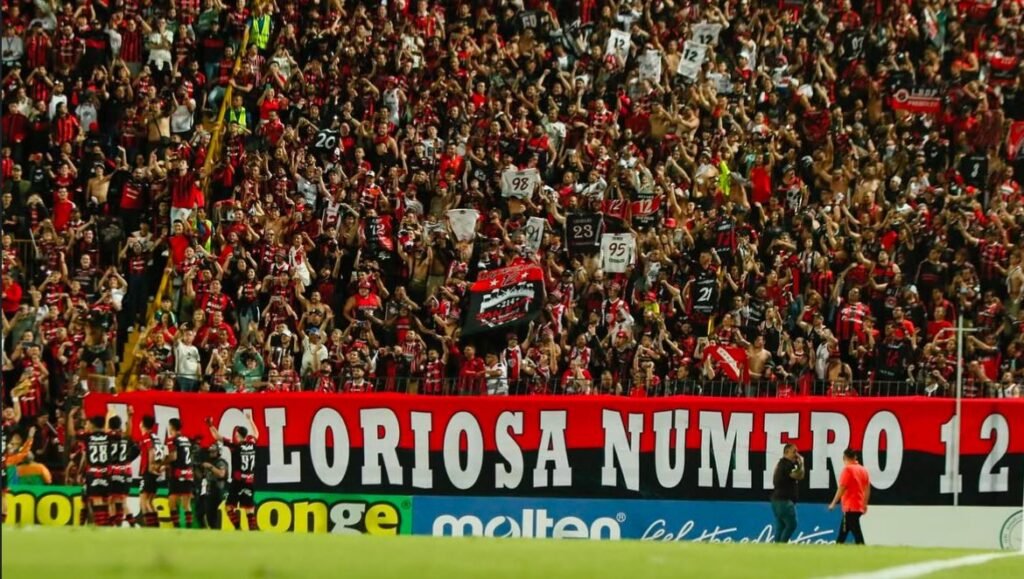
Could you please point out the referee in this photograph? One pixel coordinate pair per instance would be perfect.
(855, 492)
(788, 474)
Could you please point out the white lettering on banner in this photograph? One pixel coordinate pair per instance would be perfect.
(775, 425)
(509, 477)
(823, 426)
(327, 422)
(463, 424)
(552, 449)
(670, 434)
(280, 470)
(725, 447)
(618, 447)
(422, 475)
(532, 523)
(990, 481)
(946, 480)
(380, 444)
(658, 531)
(162, 414)
(883, 422)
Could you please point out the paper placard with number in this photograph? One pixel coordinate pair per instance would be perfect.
(519, 183)
(723, 83)
(705, 33)
(583, 232)
(534, 233)
(692, 59)
(650, 66)
(618, 45)
(463, 222)
(618, 252)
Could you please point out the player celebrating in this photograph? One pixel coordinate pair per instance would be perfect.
(151, 451)
(122, 453)
(243, 472)
(95, 463)
(179, 473)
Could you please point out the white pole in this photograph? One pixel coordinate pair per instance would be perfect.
(959, 405)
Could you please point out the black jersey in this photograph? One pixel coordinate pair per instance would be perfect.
(97, 449)
(122, 450)
(705, 291)
(243, 458)
(181, 446)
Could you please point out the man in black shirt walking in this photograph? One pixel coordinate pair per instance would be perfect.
(788, 474)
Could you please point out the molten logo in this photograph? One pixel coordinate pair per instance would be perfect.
(530, 524)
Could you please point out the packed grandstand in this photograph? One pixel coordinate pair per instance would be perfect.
(752, 198)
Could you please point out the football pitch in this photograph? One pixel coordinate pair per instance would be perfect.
(34, 552)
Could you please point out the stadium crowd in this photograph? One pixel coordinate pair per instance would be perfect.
(814, 193)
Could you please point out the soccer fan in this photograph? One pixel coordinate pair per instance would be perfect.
(803, 181)
(242, 445)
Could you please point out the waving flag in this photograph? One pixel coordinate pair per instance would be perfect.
(504, 297)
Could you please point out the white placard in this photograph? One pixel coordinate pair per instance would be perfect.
(463, 223)
(618, 252)
(534, 233)
(723, 83)
(705, 33)
(692, 59)
(519, 184)
(618, 45)
(650, 66)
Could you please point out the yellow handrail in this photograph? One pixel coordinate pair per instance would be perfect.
(218, 128)
(126, 381)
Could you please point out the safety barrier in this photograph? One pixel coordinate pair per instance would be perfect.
(453, 386)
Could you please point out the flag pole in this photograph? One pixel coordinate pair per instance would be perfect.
(959, 407)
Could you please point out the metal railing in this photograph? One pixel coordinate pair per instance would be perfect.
(454, 386)
(28, 263)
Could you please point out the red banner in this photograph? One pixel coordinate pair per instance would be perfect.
(596, 446)
(917, 100)
(731, 360)
(1014, 140)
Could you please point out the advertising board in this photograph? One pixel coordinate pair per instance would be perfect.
(696, 521)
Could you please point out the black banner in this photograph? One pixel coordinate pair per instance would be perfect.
(504, 297)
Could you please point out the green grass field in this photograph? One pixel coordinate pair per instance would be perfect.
(37, 552)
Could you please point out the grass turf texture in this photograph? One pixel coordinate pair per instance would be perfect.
(36, 552)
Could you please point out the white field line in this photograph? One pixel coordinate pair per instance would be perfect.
(926, 567)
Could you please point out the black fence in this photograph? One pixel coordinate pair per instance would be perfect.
(455, 386)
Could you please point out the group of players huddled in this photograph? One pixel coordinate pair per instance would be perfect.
(103, 454)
